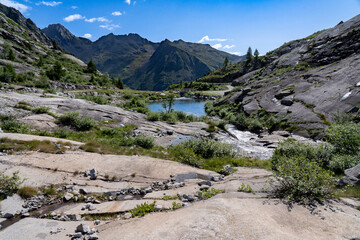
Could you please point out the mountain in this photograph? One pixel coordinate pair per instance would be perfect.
(19, 23)
(27, 55)
(303, 83)
(141, 63)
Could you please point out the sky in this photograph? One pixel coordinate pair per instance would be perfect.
(227, 25)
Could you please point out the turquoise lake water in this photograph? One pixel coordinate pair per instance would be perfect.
(187, 105)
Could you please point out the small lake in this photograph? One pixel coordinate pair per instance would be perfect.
(187, 105)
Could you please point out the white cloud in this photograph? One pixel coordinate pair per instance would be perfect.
(74, 7)
(73, 18)
(21, 7)
(109, 26)
(229, 46)
(49, 4)
(116, 13)
(128, 1)
(99, 19)
(87, 35)
(207, 39)
(236, 53)
(217, 46)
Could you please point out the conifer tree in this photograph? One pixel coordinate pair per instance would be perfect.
(226, 62)
(91, 67)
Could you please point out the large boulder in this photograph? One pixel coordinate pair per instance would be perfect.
(352, 176)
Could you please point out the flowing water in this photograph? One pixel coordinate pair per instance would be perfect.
(187, 105)
(246, 143)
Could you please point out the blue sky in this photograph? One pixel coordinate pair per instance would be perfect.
(229, 25)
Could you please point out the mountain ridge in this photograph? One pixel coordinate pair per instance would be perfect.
(128, 56)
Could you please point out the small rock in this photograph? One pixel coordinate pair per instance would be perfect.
(97, 222)
(76, 235)
(83, 191)
(8, 215)
(83, 228)
(128, 215)
(93, 237)
(204, 187)
(158, 208)
(208, 183)
(68, 196)
(93, 174)
(148, 190)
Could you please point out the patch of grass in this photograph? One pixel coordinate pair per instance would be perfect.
(246, 188)
(348, 192)
(46, 146)
(176, 205)
(27, 192)
(205, 194)
(144, 142)
(23, 105)
(169, 197)
(40, 110)
(143, 209)
(77, 121)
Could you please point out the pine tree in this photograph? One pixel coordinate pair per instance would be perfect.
(256, 54)
(91, 67)
(55, 45)
(119, 83)
(226, 62)
(249, 55)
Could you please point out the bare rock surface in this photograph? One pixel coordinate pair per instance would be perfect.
(34, 228)
(27, 137)
(40, 121)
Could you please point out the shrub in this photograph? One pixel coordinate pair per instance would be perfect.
(27, 192)
(79, 122)
(10, 185)
(246, 188)
(14, 127)
(339, 163)
(153, 116)
(143, 209)
(344, 137)
(144, 142)
(186, 156)
(40, 110)
(207, 148)
(180, 115)
(321, 153)
(204, 194)
(301, 179)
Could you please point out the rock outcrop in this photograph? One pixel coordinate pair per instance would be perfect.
(304, 81)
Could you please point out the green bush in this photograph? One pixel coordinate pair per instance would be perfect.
(344, 137)
(186, 156)
(40, 110)
(144, 142)
(153, 116)
(301, 179)
(206, 148)
(339, 163)
(143, 209)
(205, 194)
(10, 184)
(321, 153)
(79, 122)
(14, 127)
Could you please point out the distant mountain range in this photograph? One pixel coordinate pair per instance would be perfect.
(141, 63)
